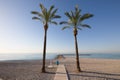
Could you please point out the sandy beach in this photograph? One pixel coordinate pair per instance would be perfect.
(92, 69)
(25, 70)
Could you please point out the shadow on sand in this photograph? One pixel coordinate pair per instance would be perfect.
(90, 74)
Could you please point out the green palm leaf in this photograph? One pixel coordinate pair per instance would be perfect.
(63, 22)
(68, 15)
(65, 27)
(35, 12)
(36, 18)
(46, 15)
(53, 22)
(53, 13)
(56, 16)
(86, 16)
(75, 19)
(51, 8)
(85, 25)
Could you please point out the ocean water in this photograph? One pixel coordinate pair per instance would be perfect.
(4, 57)
(98, 55)
(104, 56)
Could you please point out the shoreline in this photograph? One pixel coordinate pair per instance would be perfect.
(54, 59)
(7, 57)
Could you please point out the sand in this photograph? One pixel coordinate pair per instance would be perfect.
(25, 70)
(92, 69)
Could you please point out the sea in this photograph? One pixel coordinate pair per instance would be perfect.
(38, 56)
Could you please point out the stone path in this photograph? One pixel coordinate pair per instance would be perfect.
(61, 73)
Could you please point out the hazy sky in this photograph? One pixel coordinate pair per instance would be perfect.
(20, 34)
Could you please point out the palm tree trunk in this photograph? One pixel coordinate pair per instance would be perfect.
(44, 49)
(77, 54)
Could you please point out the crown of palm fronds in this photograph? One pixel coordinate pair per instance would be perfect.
(76, 19)
(46, 15)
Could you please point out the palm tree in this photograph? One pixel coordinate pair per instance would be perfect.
(75, 21)
(45, 16)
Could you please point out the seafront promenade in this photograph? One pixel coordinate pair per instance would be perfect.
(61, 73)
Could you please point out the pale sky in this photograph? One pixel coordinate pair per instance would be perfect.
(20, 34)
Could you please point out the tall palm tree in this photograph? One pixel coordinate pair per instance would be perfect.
(45, 16)
(75, 20)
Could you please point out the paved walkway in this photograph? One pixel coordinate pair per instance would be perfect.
(61, 73)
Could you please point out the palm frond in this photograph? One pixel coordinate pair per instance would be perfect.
(65, 27)
(57, 16)
(53, 22)
(41, 15)
(79, 28)
(51, 8)
(77, 13)
(68, 15)
(76, 8)
(36, 18)
(73, 15)
(86, 16)
(44, 10)
(45, 15)
(75, 19)
(63, 22)
(53, 13)
(42, 7)
(35, 12)
(85, 25)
